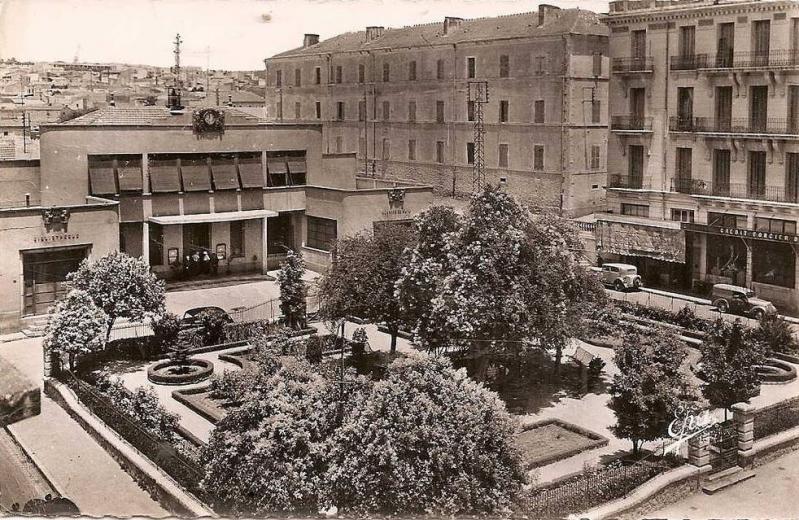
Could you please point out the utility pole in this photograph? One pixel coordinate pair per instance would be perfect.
(477, 93)
(178, 41)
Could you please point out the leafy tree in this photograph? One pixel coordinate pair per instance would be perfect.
(649, 388)
(142, 405)
(730, 356)
(166, 329)
(292, 290)
(122, 286)
(212, 325)
(75, 327)
(361, 282)
(774, 334)
(426, 438)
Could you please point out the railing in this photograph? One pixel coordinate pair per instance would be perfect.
(631, 123)
(751, 191)
(586, 226)
(631, 182)
(633, 64)
(774, 59)
(759, 126)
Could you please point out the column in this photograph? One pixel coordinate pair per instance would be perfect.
(145, 170)
(265, 267)
(699, 450)
(749, 264)
(744, 418)
(145, 242)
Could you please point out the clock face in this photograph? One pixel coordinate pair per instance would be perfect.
(209, 118)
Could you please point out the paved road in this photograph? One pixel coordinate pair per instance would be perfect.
(771, 494)
(20, 479)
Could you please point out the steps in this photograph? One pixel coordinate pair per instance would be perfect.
(33, 326)
(724, 479)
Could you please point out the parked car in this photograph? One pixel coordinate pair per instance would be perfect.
(191, 317)
(621, 276)
(741, 301)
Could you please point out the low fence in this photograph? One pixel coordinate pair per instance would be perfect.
(588, 489)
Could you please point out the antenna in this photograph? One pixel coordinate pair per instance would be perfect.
(477, 93)
(178, 41)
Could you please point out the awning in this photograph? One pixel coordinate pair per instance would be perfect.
(636, 236)
(227, 216)
(101, 176)
(195, 175)
(164, 177)
(129, 172)
(252, 175)
(276, 166)
(225, 176)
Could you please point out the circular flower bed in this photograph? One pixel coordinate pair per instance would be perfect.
(776, 371)
(168, 372)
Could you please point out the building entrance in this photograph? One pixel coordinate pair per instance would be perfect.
(45, 273)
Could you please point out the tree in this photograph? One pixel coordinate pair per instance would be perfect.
(142, 405)
(424, 439)
(75, 327)
(122, 286)
(649, 388)
(730, 356)
(166, 330)
(774, 334)
(292, 290)
(361, 282)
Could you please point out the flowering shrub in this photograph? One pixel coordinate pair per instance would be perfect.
(424, 439)
(166, 329)
(75, 327)
(142, 406)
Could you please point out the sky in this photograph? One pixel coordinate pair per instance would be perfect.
(222, 34)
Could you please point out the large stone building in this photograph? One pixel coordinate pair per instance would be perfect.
(163, 186)
(704, 148)
(398, 99)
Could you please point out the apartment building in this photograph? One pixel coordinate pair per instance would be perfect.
(703, 165)
(398, 99)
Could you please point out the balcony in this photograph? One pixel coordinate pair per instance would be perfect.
(735, 190)
(786, 128)
(635, 65)
(627, 182)
(782, 59)
(631, 124)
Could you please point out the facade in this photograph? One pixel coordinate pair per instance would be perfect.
(398, 98)
(704, 149)
(168, 187)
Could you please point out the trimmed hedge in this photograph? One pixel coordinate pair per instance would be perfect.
(596, 441)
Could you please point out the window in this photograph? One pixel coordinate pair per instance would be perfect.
(237, 238)
(638, 45)
(362, 110)
(470, 110)
(726, 220)
(278, 78)
(412, 111)
(539, 65)
(317, 75)
(386, 72)
(469, 153)
(361, 73)
(721, 172)
(440, 69)
(597, 65)
(774, 263)
(412, 149)
(297, 77)
(440, 152)
(503, 111)
(538, 111)
(685, 106)
(297, 110)
(503, 155)
(596, 111)
(412, 71)
(757, 175)
(361, 146)
(538, 157)
(635, 166)
(339, 144)
(773, 225)
(761, 36)
(595, 159)
(635, 210)
(386, 110)
(318, 106)
(338, 74)
(504, 66)
(321, 233)
(687, 41)
(683, 166)
(439, 111)
(682, 215)
(792, 177)
(758, 108)
(340, 110)
(471, 67)
(386, 149)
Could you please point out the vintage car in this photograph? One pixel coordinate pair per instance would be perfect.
(191, 317)
(740, 300)
(620, 276)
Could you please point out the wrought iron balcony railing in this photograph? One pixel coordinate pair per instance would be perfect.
(755, 125)
(774, 59)
(633, 65)
(631, 123)
(628, 182)
(750, 191)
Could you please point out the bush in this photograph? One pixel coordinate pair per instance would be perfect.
(774, 334)
(166, 329)
(687, 318)
(75, 328)
(595, 367)
(142, 406)
(426, 439)
(233, 386)
(313, 349)
(212, 327)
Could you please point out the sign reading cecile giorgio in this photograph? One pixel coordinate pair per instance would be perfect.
(635, 239)
(741, 233)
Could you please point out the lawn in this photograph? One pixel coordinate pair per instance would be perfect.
(551, 440)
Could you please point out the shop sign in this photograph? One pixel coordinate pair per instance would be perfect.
(629, 239)
(742, 233)
(57, 237)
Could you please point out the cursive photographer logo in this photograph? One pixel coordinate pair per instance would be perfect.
(687, 424)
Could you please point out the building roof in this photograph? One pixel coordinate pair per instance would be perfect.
(157, 116)
(522, 25)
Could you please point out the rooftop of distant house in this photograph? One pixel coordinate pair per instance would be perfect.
(622, 7)
(547, 21)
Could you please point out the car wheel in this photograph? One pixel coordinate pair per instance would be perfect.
(637, 284)
(722, 306)
(618, 285)
(758, 314)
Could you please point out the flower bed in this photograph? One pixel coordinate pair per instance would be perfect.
(199, 401)
(169, 373)
(551, 440)
(776, 371)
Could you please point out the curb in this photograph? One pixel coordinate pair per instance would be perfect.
(41, 467)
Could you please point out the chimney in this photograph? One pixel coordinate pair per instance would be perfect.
(546, 13)
(309, 39)
(111, 102)
(451, 23)
(373, 32)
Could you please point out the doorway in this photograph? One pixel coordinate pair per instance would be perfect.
(45, 274)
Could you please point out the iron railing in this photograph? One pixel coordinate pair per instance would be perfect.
(773, 59)
(742, 126)
(631, 123)
(631, 182)
(751, 191)
(633, 64)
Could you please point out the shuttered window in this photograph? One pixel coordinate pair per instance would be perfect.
(129, 173)
(101, 177)
(195, 174)
(277, 171)
(223, 172)
(164, 176)
(250, 170)
(297, 169)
